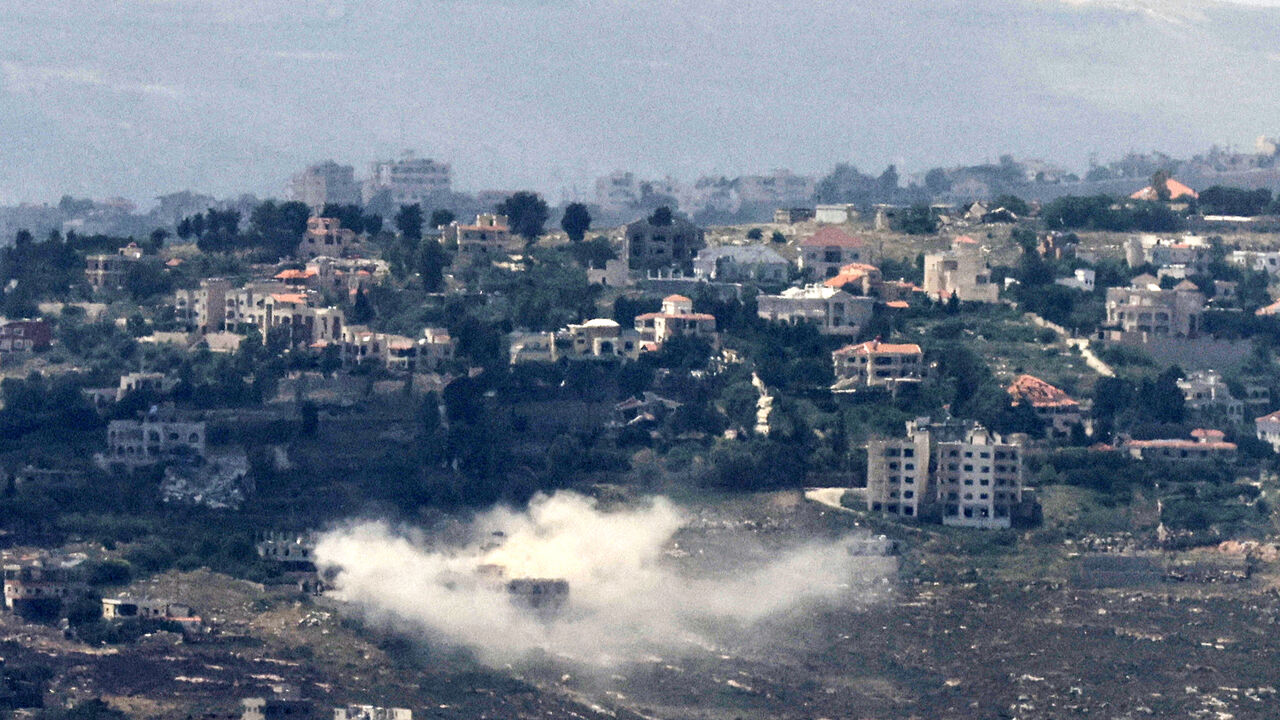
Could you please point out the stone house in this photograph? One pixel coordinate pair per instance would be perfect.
(961, 271)
(834, 311)
(823, 253)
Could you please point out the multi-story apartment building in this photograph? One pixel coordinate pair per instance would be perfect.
(1056, 409)
(273, 307)
(488, 240)
(106, 271)
(978, 479)
(1144, 308)
(958, 471)
(823, 253)
(326, 236)
(409, 180)
(898, 479)
(205, 310)
(676, 319)
(877, 364)
(834, 311)
(327, 182)
(961, 271)
(653, 246)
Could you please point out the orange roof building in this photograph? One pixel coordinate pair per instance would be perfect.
(1207, 445)
(876, 364)
(823, 254)
(1055, 408)
(1177, 191)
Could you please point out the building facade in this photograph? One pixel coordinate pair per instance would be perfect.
(649, 246)
(1144, 308)
(160, 435)
(488, 240)
(979, 480)
(326, 236)
(106, 271)
(741, 263)
(324, 183)
(25, 336)
(961, 272)
(676, 319)
(955, 471)
(1205, 391)
(877, 364)
(823, 253)
(408, 181)
(834, 311)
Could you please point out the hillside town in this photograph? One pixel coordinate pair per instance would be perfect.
(1034, 397)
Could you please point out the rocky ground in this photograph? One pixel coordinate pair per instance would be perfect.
(995, 648)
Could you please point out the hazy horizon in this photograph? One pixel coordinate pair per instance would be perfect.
(141, 97)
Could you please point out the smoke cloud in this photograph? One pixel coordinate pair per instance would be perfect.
(630, 593)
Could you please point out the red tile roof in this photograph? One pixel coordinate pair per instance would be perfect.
(1208, 433)
(1031, 389)
(898, 304)
(292, 274)
(831, 237)
(880, 348)
(1181, 444)
(676, 298)
(852, 272)
(1176, 190)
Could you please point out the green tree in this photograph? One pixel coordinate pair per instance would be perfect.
(310, 415)
(431, 262)
(661, 217)
(576, 221)
(755, 234)
(527, 214)
(351, 217)
(441, 218)
(362, 310)
(278, 229)
(918, 220)
(409, 221)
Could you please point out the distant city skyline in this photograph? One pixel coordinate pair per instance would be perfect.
(138, 98)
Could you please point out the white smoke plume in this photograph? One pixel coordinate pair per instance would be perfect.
(627, 596)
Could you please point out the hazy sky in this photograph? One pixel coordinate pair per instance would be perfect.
(139, 97)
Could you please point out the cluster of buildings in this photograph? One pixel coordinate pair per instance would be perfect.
(404, 181)
(954, 472)
(603, 338)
